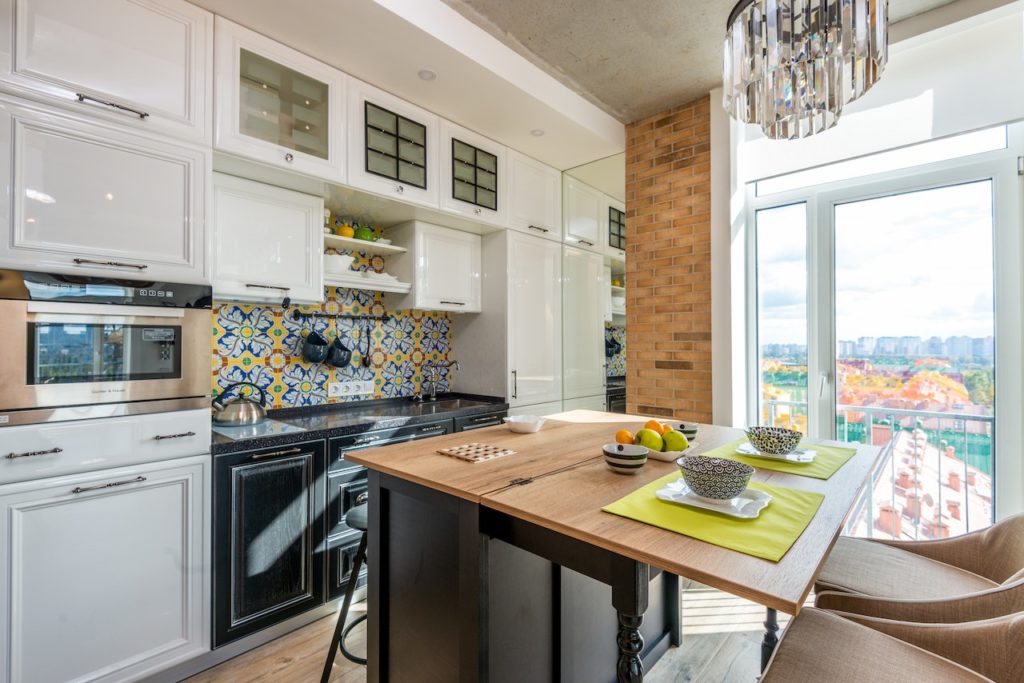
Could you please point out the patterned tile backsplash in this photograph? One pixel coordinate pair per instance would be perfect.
(617, 360)
(263, 345)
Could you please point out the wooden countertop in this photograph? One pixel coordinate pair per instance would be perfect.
(571, 484)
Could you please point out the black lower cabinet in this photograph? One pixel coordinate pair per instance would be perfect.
(466, 424)
(339, 569)
(268, 537)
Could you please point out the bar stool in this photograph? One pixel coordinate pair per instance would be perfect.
(356, 518)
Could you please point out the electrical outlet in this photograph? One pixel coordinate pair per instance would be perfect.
(333, 389)
(350, 388)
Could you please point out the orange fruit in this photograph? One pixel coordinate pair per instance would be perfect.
(623, 436)
(665, 428)
(654, 425)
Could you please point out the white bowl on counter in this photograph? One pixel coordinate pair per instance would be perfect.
(525, 424)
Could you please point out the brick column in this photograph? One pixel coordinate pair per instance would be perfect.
(668, 266)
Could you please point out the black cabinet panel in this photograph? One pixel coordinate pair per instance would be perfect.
(338, 446)
(465, 424)
(268, 537)
(339, 569)
(344, 492)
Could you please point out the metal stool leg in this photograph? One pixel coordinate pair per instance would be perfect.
(338, 640)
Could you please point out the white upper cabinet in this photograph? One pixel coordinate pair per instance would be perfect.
(277, 106)
(142, 63)
(615, 229)
(393, 146)
(443, 265)
(534, 197)
(267, 242)
(473, 180)
(583, 287)
(95, 199)
(534, 320)
(585, 215)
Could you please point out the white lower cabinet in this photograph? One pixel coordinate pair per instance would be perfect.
(267, 242)
(540, 409)
(106, 583)
(583, 289)
(585, 403)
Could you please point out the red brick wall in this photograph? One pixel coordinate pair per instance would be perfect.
(668, 263)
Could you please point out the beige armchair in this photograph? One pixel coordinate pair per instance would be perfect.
(844, 648)
(986, 564)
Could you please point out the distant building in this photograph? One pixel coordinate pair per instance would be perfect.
(960, 347)
(847, 349)
(983, 347)
(887, 346)
(935, 347)
(909, 346)
(865, 346)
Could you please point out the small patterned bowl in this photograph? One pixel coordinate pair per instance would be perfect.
(774, 440)
(625, 458)
(715, 478)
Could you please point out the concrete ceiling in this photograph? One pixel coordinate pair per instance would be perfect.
(631, 58)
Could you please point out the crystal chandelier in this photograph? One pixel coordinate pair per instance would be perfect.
(791, 65)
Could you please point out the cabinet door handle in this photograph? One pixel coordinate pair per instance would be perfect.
(362, 498)
(399, 189)
(477, 211)
(97, 487)
(454, 303)
(432, 430)
(274, 454)
(364, 440)
(589, 244)
(29, 454)
(515, 384)
(485, 418)
(161, 437)
(115, 264)
(82, 97)
(280, 289)
(538, 228)
(289, 157)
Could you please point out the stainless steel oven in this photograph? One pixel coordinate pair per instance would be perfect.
(80, 347)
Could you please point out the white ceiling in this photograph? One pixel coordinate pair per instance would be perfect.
(633, 59)
(480, 84)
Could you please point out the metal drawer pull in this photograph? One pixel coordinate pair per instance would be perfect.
(485, 418)
(454, 303)
(362, 498)
(515, 384)
(115, 264)
(82, 97)
(427, 430)
(365, 439)
(97, 487)
(537, 227)
(589, 244)
(161, 437)
(280, 289)
(274, 454)
(29, 454)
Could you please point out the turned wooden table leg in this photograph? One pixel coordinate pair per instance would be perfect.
(771, 638)
(630, 581)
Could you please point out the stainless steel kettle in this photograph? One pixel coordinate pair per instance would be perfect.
(241, 410)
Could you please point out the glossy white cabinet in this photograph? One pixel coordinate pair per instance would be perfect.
(94, 199)
(583, 286)
(585, 215)
(393, 146)
(598, 402)
(443, 264)
(473, 176)
(145, 64)
(606, 295)
(267, 242)
(105, 583)
(534, 197)
(277, 106)
(534, 320)
(541, 409)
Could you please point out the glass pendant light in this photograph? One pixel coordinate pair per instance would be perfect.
(791, 65)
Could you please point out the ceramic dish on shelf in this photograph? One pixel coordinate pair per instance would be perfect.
(800, 456)
(747, 505)
(338, 263)
(668, 456)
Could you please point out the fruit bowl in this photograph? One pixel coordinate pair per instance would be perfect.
(525, 424)
(715, 479)
(624, 458)
(774, 440)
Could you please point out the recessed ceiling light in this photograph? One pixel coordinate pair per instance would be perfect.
(427, 74)
(536, 132)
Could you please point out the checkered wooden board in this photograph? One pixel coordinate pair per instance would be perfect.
(476, 452)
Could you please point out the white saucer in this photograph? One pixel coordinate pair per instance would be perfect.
(798, 456)
(747, 505)
(669, 456)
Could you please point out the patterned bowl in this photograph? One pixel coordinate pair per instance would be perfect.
(774, 440)
(625, 458)
(714, 478)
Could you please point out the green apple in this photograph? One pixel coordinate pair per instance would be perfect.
(649, 439)
(675, 441)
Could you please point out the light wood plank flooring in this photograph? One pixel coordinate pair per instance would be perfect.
(721, 644)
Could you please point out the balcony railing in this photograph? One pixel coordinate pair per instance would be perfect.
(935, 478)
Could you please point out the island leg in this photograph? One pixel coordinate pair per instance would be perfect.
(771, 638)
(630, 580)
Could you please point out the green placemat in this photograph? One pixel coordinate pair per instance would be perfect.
(826, 463)
(769, 536)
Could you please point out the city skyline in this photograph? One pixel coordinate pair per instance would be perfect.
(956, 346)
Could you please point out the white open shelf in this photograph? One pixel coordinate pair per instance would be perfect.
(618, 291)
(358, 281)
(365, 246)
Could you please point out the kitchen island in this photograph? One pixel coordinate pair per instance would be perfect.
(508, 570)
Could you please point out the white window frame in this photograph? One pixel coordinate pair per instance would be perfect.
(999, 166)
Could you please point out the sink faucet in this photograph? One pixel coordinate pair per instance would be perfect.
(432, 374)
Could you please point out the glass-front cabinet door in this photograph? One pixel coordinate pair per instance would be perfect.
(278, 106)
(393, 146)
(615, 245)
(473, 176)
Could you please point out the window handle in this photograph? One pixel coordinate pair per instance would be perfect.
(823, 384)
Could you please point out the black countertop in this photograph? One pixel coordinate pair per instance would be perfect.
(344, 419)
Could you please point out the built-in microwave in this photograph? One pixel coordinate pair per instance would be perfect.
(75, 347)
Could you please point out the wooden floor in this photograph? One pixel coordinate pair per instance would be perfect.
(721, 644)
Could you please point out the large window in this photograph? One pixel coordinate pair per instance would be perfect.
(877, 320)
